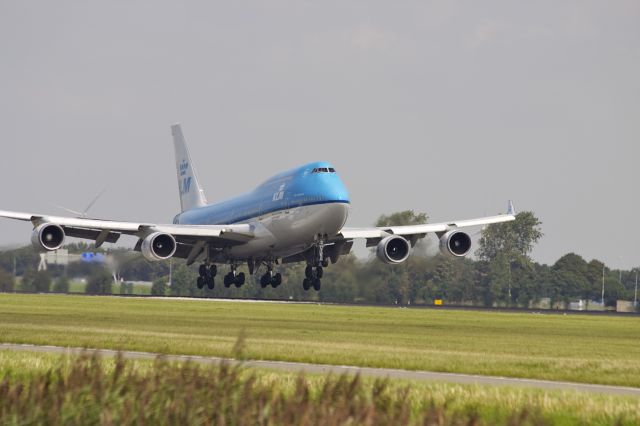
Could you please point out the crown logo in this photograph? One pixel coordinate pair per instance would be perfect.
(184, 166)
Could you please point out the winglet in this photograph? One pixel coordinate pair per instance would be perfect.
(511, 210)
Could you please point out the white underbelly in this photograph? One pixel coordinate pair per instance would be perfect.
(292, 231)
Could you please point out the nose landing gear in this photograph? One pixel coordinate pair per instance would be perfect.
(313, 277)
(315, 269)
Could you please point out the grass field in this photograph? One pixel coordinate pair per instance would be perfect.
(65, 390)
(138, 288)
(591, 349)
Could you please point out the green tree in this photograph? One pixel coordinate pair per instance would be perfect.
(613, 291)
(61, 285)
(513, 239)
(507, 247)
(42, 281)
(593, 290)
(499, 281)
(27, 281)
(407, 217)
(100, 282)
(572, 277)
(7, 281)
(134, 267)
(126, 287)
(184, 281)
(21, 259)
(159, 286)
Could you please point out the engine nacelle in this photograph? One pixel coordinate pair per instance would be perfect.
(48, 237)
(393, 249)
(158, 246)
(455, 244)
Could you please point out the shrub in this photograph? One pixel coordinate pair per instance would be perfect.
(61, 285)
(99, 282)
(7, 281)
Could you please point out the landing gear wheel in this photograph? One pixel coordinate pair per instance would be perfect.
(308, 272)
(265, 280)
(213, 270)
(228, 280)
(325, 263)
(210, 282)
(276, 280)
(203, 270)
(317, 284)
(200, 283)
(306, 284)
(239, 281)
(319, 272)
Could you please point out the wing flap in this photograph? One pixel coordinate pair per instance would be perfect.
(239, 233)
(91, 234)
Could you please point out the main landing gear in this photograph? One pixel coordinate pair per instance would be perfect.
(207, 276)
(234, 278)
(270, 279)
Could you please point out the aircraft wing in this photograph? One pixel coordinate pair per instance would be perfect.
(414, 232)
(101, 231)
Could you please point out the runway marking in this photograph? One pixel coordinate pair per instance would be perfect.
(297, 367)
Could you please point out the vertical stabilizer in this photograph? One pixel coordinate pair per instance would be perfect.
(191, 193)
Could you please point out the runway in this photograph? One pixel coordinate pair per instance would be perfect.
(296, 367)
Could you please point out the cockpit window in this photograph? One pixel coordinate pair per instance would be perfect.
(323, 170)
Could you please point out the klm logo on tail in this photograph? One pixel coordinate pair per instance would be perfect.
(184, 166)
(185, 181)
(185, 187)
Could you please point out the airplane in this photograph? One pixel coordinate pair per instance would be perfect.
(295, 216)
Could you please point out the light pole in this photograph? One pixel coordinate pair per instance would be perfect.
(635, 294)
(509, 283)
(620, 271)
(602, 299)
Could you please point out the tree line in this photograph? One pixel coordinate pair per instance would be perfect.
(503, 274)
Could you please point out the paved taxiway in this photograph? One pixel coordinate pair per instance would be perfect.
(296, 367)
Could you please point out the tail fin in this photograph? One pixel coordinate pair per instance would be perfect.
(191, 193)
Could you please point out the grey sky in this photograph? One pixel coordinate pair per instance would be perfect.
(445, 107)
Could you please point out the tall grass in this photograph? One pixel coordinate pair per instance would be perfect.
(84, 392)
(47, 389)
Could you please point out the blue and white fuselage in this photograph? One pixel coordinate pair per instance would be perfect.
(288, 212)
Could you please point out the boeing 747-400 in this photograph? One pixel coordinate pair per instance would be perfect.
(295, 216)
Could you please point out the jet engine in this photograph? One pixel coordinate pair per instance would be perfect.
(158, 246)
(48, 237)
(393, 249)
(455, 244)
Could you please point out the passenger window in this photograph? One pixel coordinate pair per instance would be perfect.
(332, 170)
